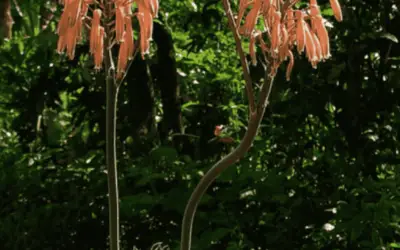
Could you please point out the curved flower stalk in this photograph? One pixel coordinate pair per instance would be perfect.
(283, 30)
(110, 24)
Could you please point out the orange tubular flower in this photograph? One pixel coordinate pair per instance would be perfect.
(289, 66)
(94, 31)
(70, 28)
(318, 50)
(337, 11)
(252, 49)
(99, 52)
(300, 31)
(310, 46)
(63, 23)
(251, 19)
(323, 37)
(71, 40)
(148, 23)
(242, 7)
(276, 32)
(129, 37)
(290, 26)
(314, 13)
(153, 7)
(119, 23)
(146, 12)
(286, 28)
(61, 44)
(74, 11)
(122, 57)
(284, 50)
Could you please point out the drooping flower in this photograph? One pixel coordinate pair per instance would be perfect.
(276, 32)
(95, 30)
(119, 23)
(286, 29)
(337, 11)
(99, 52)
(119, 31)
(300, 31)
(129, 37)
(289, 66)
(310, 47)
(122, 56)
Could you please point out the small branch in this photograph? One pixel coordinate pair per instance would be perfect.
(187, 135)
(18, 8)
(243, 60)
(111, 69)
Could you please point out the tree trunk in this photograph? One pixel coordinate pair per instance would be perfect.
(6, 20)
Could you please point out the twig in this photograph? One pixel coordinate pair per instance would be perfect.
(243, 60)
(18, 8)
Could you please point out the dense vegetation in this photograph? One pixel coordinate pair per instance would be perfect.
(324, 172)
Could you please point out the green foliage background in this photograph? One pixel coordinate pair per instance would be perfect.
(324, 171)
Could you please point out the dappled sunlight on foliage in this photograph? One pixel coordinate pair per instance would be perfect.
(323, 172)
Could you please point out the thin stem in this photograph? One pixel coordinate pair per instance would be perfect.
(111, 149)
(224, 163)
(243, 60)
(111, 158)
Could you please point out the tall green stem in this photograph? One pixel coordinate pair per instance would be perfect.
(111, 149)
(111, 158)
(224, 163)
(111, 155)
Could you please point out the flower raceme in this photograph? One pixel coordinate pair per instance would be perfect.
(286, 28)
(118, 18)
